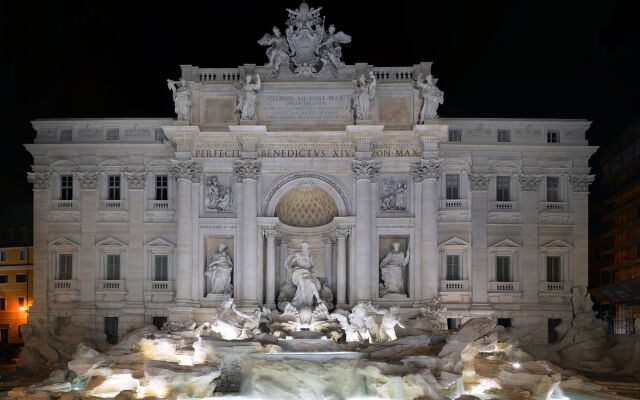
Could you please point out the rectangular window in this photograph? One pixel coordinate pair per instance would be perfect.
(114, 187)
(111, 329)
(66, 135)
(503, 269)
(65, 262)
(20, 301)
(160, 134)
(455, 135)
(112, 272)
(22, 254)
(453, 267)
(113, 134)
(3, 255)
(554, 269)
(506, 322)
(553, 188)
(503, 184)
(66, 187)
(162, 187)
(553, 137)
(21, 278)
(4, 278)
(453, 186)
(160, 268)
(3, 303)
(504, 135)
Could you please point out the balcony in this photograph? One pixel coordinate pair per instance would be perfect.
(65, 205)
(454, 286)
(504, 206)
(159, 205)
(554, 287)
(453, 204)
(504, 287)
(63, 285)
(115, 285)
(158, 286)
(115, 205)
(554, 207)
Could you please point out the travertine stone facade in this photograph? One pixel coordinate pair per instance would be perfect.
(491, 213)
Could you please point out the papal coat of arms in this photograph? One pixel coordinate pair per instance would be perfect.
(307, 46)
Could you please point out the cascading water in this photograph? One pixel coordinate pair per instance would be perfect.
(556, 393)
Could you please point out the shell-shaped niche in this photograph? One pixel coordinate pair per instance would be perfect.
(306, 206)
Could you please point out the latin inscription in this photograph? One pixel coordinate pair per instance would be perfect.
(305, 107)
(303, 153)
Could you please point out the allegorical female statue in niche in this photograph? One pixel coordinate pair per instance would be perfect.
(218, 272)
(392, 271)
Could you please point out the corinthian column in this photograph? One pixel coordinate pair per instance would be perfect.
(479, 185)
(529, 185)
(341, 267)
(247, 172)
(428, 172)
(364, 172)
(270, 278)
(580, 208)
(135, 259)
(185, 172)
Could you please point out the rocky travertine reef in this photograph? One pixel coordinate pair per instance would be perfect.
(184, 360)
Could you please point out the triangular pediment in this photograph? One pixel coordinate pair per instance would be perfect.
(111, 242)
(505, 243)
(159, 242)
(63, 241)
(455, 241)
(556, 244)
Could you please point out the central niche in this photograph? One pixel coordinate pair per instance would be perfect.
(305, 207)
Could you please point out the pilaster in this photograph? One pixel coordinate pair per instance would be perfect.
(529, 184)
(135, 257)
(580, 206)
(364, 172)
(479, 254)
(41, 184)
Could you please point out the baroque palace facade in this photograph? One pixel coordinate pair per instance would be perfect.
(146, 220)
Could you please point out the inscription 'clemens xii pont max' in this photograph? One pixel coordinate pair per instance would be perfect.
(312, 107)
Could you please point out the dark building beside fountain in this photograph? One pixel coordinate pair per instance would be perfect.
(615, 252)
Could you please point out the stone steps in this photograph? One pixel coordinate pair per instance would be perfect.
(629, 389)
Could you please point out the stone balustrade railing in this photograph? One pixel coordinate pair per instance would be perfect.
(64, 284)
(458, 204)
(159, 205)
(554, 206)
(504, 206)
(158, 286)
(553, 287)
(394, 73)
(68, 205)
(111, 284)
(112, 204)
(454, 286)
(500, 287)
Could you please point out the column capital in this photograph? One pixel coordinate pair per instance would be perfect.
(186, 169)
(247, 169)
(341, 233)
(136, 180)
(88, 180)
(271, 234)
(580, 183)
(479, 182)
(426, 169)
(40, 180)
(328, 238)
(529, 183)
(365, 169)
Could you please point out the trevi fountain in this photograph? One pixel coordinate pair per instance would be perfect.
(309, 229)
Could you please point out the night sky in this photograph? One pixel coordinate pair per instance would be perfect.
(538, 59)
